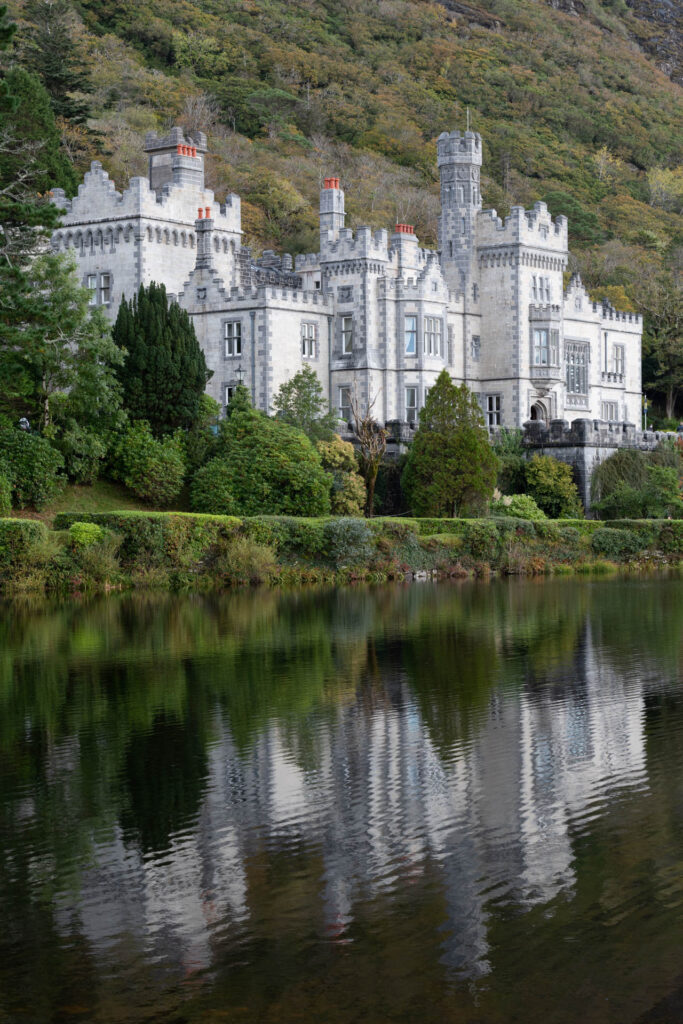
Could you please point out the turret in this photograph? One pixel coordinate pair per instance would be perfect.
(204, 228)
(331, 210)
(176, 158)
(459, 160)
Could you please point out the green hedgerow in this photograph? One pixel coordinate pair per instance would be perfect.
(5, 495)
(348, 541)
(615, 543)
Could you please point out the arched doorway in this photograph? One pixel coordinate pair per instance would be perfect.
(538, 412)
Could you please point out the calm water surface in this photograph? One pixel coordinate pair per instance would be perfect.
(425, 804)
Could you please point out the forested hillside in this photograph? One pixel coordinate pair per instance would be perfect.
(577, 101)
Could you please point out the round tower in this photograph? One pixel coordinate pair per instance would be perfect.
(459, 162)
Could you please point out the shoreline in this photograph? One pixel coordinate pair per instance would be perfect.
(105, 551)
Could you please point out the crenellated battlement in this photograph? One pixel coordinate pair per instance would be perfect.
(366, 244)
(535, 228)
(459, 147)
(98, 200)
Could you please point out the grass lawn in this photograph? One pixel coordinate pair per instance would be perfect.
(102, 496)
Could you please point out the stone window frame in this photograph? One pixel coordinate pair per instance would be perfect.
(347, 334)
(229, 392)
(342, 391)
(605, 408)
(97, 294)
(432, 336)
(475, 347)
(410, 334)
(619, 358)
(493, 410)
(232, 340)
(309, 339)
(550, 345)
(413, 406)
(577, 372)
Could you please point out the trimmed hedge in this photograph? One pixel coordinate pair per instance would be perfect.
(173, 549)
(17, 537)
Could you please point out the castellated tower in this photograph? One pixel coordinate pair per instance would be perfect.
(459, 161)
(176, 158)
(331, 211)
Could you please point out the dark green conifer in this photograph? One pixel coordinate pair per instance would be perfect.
(52, 54)
(165, 373)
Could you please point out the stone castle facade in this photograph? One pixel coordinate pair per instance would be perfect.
(374, 314)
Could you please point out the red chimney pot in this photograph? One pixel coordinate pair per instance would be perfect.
(200, 214)
(405, 229)
(207, 212)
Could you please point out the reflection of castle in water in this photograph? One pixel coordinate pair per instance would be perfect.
(379, 809)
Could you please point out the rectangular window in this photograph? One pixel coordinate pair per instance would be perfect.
(347, 335)
(554, 348)
(229, 392)
(618, 359)
(92, 288)
(345, 404)
(410, 335)
(609, 411)
(233, 338)
(432, 337)
(309, 337)
(105, 289)
(493, 410)
(547, 289)
(576, 361)
(541, 352)
(411, 404)
(475, 347)
(534, 288)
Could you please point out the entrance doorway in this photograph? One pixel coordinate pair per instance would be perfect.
(538, 412)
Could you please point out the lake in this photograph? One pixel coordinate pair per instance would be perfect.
(420, 803)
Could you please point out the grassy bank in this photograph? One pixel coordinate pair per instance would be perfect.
(171, 550)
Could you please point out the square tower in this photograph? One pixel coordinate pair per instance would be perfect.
(459, 161)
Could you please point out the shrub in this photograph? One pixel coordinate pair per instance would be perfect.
(18, 538)
(269, 467)
(5, 495)
(244, 560)
(33, 466)
(507, 445)
(615, 543)
(347, 497)
(348, 541)
(631, 484)
(83, 535)
(520, 506)
(83, 452)
(211, 489)
(153, 469)
(550, 484)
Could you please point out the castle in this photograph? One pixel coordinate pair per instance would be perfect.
(376, 316)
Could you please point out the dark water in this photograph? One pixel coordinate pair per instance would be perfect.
(424, 804)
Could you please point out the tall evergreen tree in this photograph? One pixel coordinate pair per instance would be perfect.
(165, 373)
(451, 467)
(52, 54)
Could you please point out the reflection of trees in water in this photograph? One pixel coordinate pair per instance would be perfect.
(108, 713)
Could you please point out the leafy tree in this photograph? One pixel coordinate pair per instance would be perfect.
(451, 467)
(348, 489)
(264, 466)
(52, 54)
(301, 402)
(631, 484)
(550, 483)
(164, 374)
(53, 353)
(200, 441)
